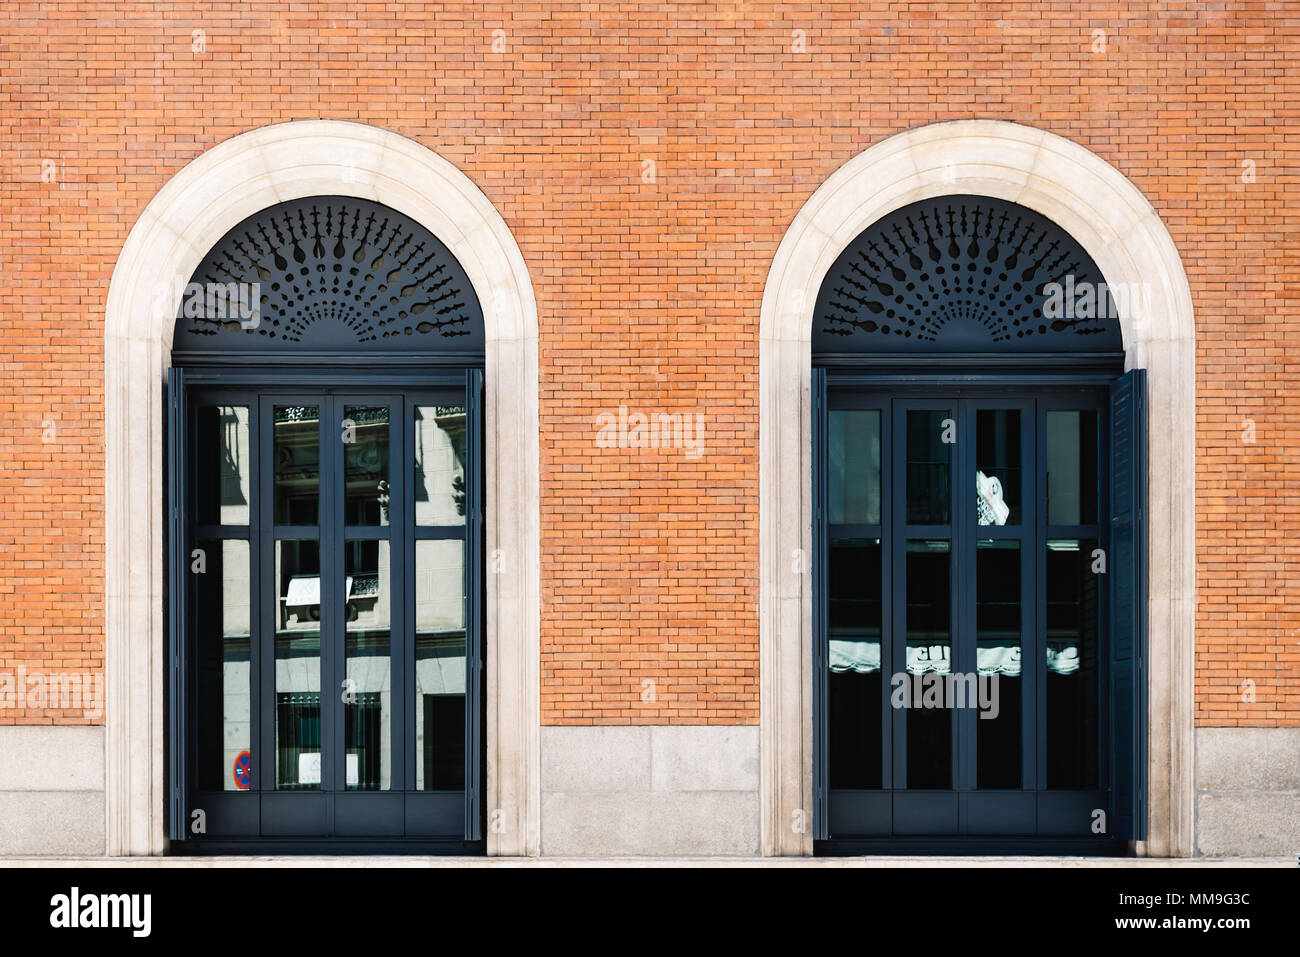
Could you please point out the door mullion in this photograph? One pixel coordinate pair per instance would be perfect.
(897, 722)
(409, 709)
(963, 605)
(1032, 547)
(332, 593)
(266, 758)
(473, 552)
(889, 575)
(257, 636)
(399, 662)
(1039, 781)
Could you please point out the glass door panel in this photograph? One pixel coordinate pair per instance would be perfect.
(999, 653)
(931, 435)
(1071, 451)
(982, 697)
(926, 442)
(330, 632)
(221, 661)
(222, 468)
(998, 466)
(368, 668)
(929, 664)
(297, 680)
(365, 430)
(858, 644)
(439, 449)
(856, 663)
(1073, 555)
(1072, 726)
(999, 658)
(853, 466)
(297, 464)
(440, 680)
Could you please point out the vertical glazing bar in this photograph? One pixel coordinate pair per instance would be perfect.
(178, 731)
(256, 635)
(406, 636)
(397, 538)
(820, 557)
(1039, 634)
(333, 597)
(265, 756)
(1105, 464)
(1030, 560)
(888, 613)
(963, 591)
(898, 594)
(473, 595)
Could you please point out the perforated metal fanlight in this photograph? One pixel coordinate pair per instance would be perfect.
(329, 274)
(964, 274)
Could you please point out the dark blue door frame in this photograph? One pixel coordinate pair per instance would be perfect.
(1031, 816)
(403, 817)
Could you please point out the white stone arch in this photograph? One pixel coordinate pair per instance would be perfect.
(190, 213)
(1107, 214)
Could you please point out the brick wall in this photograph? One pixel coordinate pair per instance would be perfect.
(649, 277)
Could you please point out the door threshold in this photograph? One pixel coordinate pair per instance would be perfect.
(973, 846)
(316, 847)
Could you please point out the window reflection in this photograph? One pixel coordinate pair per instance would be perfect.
(1071, 467)
(929, 651)
(356, 594)
(1072, 663)
(367, 702)
(297, 665)
(221, 599)
(997, 465)
(853, 459)
(297, 464)
(440, 664)
(365, 464)
(221, 473)
(930, 438)
(855, 680)
(439, 465)
(998, 651)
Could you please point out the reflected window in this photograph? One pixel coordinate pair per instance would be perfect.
(997, 466)
(439, 465)
(1072, 666)
(930, 439)
(222, 466)
(855, 680)
(297, 665)
(365, 464)
(297, 733)
(998, 651)
(222, 689)
(367, 704)
(297, 465)
(1071, 467)
(929, 652)
(853, 466)
(440, 663)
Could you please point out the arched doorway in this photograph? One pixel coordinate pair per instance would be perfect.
(218, 190)
(979, 509)
(326, 562)
(1108, 216)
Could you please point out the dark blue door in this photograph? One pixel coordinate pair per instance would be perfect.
(962, 580)
(326, 612)
(1128, 608)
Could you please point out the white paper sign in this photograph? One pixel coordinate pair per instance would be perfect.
(309, 767)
